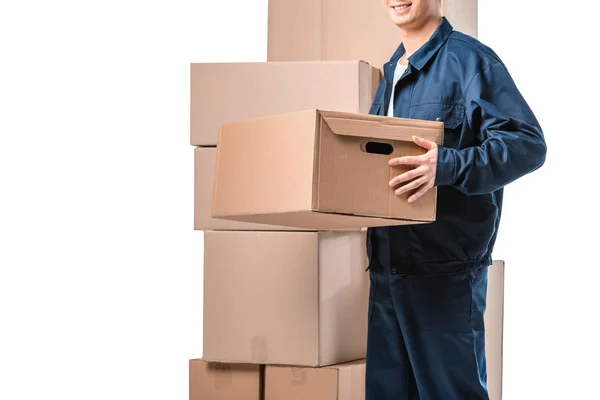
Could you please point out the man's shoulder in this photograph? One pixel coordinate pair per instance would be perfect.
(470, 48)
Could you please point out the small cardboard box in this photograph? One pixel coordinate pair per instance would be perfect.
(336, 382)
(218, 381)
(286, 298)
(319, 170)
(346, 29)
(226, 92)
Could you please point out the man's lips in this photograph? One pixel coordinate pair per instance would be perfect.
(401, 7)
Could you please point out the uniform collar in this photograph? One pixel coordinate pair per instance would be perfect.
(426, 52)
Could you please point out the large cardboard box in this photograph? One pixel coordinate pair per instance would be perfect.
(217, 381)
(337, 382)
(287, 298)
(204, 176)
(226, 92)
(346, 29)
(319, 170)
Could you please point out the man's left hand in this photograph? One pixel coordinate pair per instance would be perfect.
(422, 176)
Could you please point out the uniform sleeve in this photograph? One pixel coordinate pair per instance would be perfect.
(511, 140)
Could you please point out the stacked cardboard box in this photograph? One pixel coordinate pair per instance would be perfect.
(281, 289)
(273, 294)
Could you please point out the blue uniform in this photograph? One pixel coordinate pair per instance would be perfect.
(429, 282)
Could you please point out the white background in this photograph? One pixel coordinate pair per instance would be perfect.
(100, 270)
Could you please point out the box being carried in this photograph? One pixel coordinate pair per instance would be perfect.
(204, 176)
(319, 170)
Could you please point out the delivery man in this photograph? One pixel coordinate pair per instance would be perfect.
(428, 282)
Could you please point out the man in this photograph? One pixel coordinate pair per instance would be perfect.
(428, 282)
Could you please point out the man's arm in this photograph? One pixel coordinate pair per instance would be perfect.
(512, 142)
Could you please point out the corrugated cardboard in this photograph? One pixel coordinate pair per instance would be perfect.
(494, 327)
(216, 381)
(346, 29)
(204, 175)
(227, 92)
(311, 169)
(289, 298)
(336, 382)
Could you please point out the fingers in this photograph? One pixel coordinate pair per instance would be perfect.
(415, 160)
(420, 178)
(407, 160)
(409, 175)
(422, 190)
(424, 143)
(411, 185)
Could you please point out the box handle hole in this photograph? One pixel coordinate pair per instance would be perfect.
(377, 148)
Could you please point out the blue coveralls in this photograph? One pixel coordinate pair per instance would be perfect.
(428, 282)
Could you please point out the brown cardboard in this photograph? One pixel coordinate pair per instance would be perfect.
(346, 29)
(310, 170)
(336, 382)
(494, 327)
(462, 14)
(289, 298)
(227, 92)
(204, 175)
(217, 381)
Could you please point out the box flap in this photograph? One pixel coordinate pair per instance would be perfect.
(379, 127)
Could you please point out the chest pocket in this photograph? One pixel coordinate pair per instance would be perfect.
(452, 115)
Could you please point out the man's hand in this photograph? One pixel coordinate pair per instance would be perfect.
(422, 177)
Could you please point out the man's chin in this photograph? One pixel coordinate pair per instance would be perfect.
(401, 21)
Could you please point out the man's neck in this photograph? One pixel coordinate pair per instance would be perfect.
(414, 38)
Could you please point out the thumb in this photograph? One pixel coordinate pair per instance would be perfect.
(426, 144)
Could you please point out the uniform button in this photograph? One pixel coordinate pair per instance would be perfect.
(438, 119)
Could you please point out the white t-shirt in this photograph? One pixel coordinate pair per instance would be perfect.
(397, 74)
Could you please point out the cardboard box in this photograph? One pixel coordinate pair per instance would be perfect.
(287, 298)
(229, 92)
(337, 382)
(317, 170)
(216, 381)
(346, 29)
(204, 176)
(494, 327)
